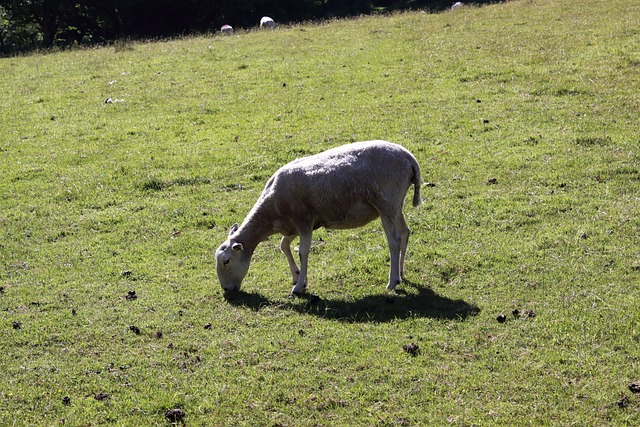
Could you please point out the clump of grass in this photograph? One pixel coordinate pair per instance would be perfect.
(123, 45)
(593, 140)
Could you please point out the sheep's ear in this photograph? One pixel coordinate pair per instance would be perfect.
(237, 247)
(233, 229)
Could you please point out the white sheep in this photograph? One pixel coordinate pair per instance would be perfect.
(457, 5)
(344, 187)
(267, 23)
(226, 29)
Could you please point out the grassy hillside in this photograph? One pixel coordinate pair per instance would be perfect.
(122, 169)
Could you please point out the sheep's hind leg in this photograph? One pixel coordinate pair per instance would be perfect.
(305, 248)
(404, 241)
(394, 240)
(285, 247)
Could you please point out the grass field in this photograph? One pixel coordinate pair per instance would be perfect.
(122, 169)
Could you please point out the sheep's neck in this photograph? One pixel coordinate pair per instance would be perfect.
(254, 228)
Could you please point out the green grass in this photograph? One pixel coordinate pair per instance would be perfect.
(525, 117)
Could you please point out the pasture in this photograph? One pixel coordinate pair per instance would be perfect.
(122, 169)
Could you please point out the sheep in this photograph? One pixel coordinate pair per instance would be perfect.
(267, 23)
(457, 5)
(226, 29)
(341, 188)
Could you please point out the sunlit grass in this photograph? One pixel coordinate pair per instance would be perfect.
(122, 169)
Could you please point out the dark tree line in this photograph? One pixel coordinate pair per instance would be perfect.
(29, 24)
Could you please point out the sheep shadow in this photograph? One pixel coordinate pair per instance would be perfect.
(373, 308)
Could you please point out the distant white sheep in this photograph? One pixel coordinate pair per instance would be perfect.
(226, 29)
(457, 5)
(267, 23)
(345, 187)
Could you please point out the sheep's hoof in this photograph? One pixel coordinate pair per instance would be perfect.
(392, 285)
(299, 290)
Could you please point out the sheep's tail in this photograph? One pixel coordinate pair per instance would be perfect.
(417, 200)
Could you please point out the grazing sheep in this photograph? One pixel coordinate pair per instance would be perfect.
(267, 23)
(344, 187)
(226, 29)
(457, 5)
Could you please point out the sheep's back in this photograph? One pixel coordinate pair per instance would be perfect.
(346, 186)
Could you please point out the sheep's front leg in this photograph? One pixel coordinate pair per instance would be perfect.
(285, 247)
(305, 248)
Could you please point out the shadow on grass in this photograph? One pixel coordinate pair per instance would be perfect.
(373, 308)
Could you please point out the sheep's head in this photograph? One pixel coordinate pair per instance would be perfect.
(232, 262)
